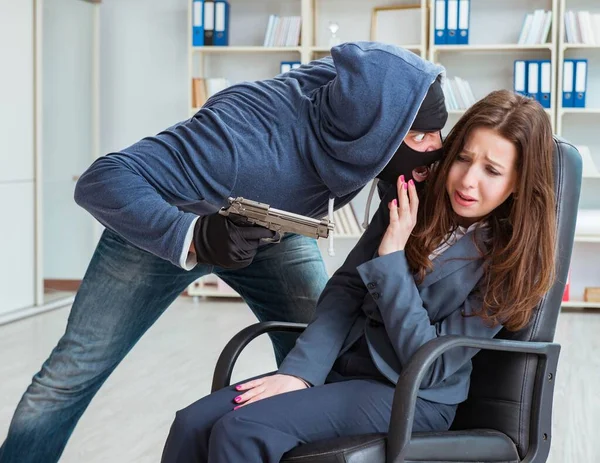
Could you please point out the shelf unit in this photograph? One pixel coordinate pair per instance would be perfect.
(353, 17)
(576, 50)
(246, 59)
(487, 63)
(578, 125)
(581, 304)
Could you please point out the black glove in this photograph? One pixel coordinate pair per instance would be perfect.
(221, 242)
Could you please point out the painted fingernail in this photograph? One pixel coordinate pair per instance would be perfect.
(405, 185)
(395, 203)
(238, 387)
(411, 181)
(402, 178)
(238, 398)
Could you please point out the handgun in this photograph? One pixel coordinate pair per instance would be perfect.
(255, 213)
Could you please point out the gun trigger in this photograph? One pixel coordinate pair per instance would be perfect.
(276, 239)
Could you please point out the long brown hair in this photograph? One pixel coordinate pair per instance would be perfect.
(519, 255)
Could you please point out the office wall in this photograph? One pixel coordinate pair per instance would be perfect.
(17, 244)
(68, 236)
(144, 65)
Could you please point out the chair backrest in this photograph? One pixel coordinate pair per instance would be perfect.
(501, 391)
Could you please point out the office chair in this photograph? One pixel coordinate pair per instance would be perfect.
(507, 416)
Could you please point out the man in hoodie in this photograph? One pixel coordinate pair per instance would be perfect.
(315, 135)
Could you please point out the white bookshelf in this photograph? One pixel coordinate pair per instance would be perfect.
(487, 62)
(491, 47)
(581, 304)
(579, 126)
(245, 49)
(246, 59)
(587, 238)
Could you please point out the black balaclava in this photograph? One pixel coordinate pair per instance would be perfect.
(431, 117)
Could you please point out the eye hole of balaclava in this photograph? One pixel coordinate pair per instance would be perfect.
(431, 117)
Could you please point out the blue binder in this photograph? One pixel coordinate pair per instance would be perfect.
(464, 16)
(568, 83)
(545, 84)
(221, 36)
(287, 66)
(197, 23)
(452, 22)
(533, 79)
(580, 83)
(440, 22)
(520, 77)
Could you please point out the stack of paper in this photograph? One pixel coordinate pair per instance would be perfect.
(283, 32)
(458, 93)
(536, 28)
(582, 27)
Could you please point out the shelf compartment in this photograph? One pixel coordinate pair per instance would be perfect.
(581, 304)
(587, 238)
(493, 47)
(579, 46)
(245, 49)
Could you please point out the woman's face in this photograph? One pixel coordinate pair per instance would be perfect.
(482, 176)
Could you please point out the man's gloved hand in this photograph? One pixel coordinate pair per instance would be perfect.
(221, 242)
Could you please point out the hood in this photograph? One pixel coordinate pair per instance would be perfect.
(360, 117)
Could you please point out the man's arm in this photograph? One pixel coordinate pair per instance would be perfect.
(137, 191)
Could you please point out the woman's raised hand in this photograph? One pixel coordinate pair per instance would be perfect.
(403, 217)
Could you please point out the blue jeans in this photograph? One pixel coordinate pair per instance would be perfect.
(123, 293)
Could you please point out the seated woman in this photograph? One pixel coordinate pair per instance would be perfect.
(468, 260)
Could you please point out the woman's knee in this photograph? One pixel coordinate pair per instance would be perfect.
(191, 422)
(229, 430)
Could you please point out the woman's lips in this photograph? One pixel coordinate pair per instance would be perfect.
(463, 200)
(420, 173)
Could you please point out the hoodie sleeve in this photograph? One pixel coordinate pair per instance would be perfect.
(340, 304)
(139, 192)
(407, 322)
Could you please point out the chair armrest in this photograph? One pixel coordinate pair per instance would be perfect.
(233, 349)
(405, 395)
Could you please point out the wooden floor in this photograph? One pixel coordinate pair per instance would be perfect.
(171, 367)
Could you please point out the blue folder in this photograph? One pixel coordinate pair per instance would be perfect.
(221, 36)
(440, 22)
(197, 23)
(579, 95)
(568, 83)
(464, 17)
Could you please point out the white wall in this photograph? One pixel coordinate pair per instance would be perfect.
(144, 66)
(67, 135)
(143, 89)
(17, 274)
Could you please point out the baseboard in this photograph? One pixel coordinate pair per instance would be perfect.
(61, 285)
